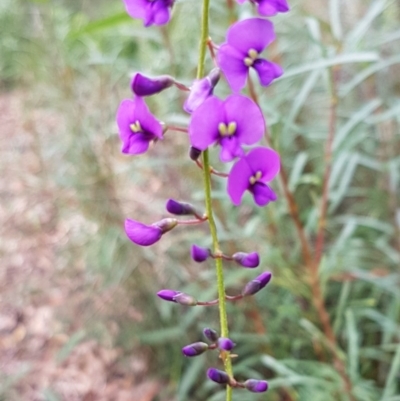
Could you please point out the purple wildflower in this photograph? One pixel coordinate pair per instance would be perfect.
(201, 90)
(199, 254)
(142, 85)
(247, 259)
(251, 173)
(245, 41)
(257, 284)
(177, 297)
(225, 344)
(144, 235)
(231, 122)
(256, 386)
(137, 126)
(218, 376)
(195, 349)
(155, 12)
(210, 334)
(268, 8)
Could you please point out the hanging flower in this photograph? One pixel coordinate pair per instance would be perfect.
(268, 8)
(232, 122)
(151, 12)
(251, 173)
(137, 126)
(144, 235)
(143, 85)
(245, 41)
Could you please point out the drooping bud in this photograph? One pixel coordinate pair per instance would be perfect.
(256, 386)
(195, 349)
(247, 259)
(194, 153)
(177, 297)
(181, 208)
(201, 90)
(166, 225)
(257, 284)
(199, 254)
(210, 334)
(218, 376)
(142, 234)
(225, 344)
(142, 85)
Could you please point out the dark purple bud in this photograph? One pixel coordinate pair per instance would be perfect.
(199, 254)
(195, 349)
(177, 297)
(256, 386)
(201, 90)
(194, 153)
(257, 284)
(225, 344)
(166, 225)
(181, 208)
(247, 259)
(146, 86)
(218, 376)
(210, 334)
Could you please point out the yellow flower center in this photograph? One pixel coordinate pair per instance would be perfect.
(136, 127)
(252, 56)
(256, 177)
(227, 130)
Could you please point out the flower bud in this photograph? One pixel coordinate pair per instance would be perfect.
(225, 344)
(168, 295)
(256, 386)
(166, 225)
(142, 85)
(257, 284)
(181, 208)
(218, 376)
(142, 234)
(177, 297)
(194, 153)
(199, 254)
(210, 334)
(247, 259)
(195, 349)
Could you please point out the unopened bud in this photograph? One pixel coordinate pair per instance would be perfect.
(247, 259)
(142, 85)
(210, 334)
(218, 376)
(195, 349)
(199, 254)
(256, 386)
(225, 344)
(257, 284)
(181, 208)
(194, 153)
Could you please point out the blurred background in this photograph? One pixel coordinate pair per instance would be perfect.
(79, 319)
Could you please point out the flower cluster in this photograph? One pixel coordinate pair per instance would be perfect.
(235, 125)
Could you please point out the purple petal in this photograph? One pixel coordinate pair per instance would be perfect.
(142, 85)
(269, 8)
(262, 194)
(136, 144)
(136, 8)
(247, 259)
(232, 65)
(230, 148)
(199, 254)
(267, 71)
(238, 181)
(256, 386)
(168, 295)
(203, 126)
(141, 234)
(251, 33)
(248, 117)
(150, 125)
(265, 160)
(160, 13)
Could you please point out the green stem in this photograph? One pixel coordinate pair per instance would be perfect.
(209, 209)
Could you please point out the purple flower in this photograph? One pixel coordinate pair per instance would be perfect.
(210, 334)
(247, 259)
(257, 284)
(137, 126)
(256, 386)
(218, 376)
(199, 254)
(195, 349)
(268, 8)
(155, 12)
(245, 41)
(144, 235)
(146, 86)
(201, 90)
(177, 297)
(225, 344)
(251, 173)
(231, 122)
